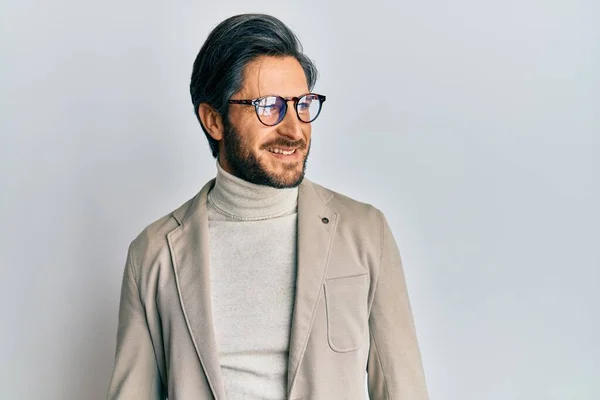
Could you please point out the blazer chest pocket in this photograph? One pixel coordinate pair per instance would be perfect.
(346, 307)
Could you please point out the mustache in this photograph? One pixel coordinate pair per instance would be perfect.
(282, 142)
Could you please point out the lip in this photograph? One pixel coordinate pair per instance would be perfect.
(292, 157)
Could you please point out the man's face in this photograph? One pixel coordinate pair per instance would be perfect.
(253, 151)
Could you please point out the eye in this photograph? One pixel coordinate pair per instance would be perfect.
(269, 105)
(305, 105)
(268, 109)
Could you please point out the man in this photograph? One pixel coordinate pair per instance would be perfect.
(264, 285)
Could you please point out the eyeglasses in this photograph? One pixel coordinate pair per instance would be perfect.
(271, 110)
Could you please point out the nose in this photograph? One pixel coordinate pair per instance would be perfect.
(291, 126)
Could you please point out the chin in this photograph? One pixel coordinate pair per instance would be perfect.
(283, 181)
(269, 172)
(284, 176)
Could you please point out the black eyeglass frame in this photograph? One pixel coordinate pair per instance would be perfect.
(296, 100)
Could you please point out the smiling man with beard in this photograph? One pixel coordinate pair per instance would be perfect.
(264, 285)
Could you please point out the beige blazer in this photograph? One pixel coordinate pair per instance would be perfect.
(351, 314)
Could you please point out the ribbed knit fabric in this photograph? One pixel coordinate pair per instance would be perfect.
(252, 235)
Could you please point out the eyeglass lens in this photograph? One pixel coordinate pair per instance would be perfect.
(271, 110)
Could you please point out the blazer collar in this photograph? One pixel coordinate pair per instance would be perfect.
(316, 228)
(189, 248)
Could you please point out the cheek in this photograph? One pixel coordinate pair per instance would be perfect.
(247, 126)
(255, 135)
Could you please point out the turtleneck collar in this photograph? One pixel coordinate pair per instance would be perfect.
(243, 200)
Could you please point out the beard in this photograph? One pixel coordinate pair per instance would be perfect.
(247, 165)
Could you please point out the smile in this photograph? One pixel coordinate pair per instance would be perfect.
(281, 151)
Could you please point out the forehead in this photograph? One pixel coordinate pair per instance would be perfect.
(268, 75)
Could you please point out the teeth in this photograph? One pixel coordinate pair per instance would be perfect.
(279, 151)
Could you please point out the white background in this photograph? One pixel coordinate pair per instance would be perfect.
(474, 125)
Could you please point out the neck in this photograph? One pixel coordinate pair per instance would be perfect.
(240, 199)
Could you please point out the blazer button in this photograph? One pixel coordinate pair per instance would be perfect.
(325, 220)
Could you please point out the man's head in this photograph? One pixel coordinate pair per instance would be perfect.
(247, 57)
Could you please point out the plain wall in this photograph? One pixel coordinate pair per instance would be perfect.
(473, 125)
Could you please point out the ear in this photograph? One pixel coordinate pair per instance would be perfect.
(211, 120)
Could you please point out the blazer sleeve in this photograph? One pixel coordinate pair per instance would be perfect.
(135, 374)
(394, 368)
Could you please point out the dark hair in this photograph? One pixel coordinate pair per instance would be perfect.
(219, 67)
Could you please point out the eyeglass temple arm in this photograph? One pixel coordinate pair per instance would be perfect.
(249, 102)
(322, 99)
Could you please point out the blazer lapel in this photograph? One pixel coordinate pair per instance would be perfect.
(316, 228)
(189, 251)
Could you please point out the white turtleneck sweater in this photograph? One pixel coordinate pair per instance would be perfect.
(252, 235)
